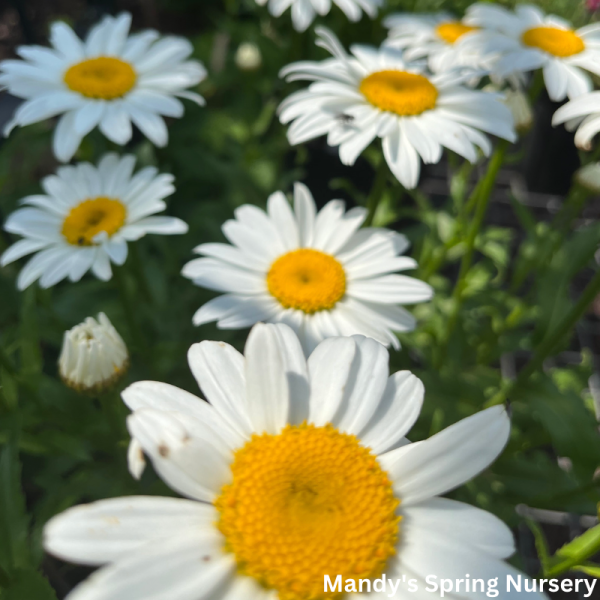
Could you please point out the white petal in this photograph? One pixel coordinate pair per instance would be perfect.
(186, 568)
(267, 386)
(66, 140)
(150, 124)
(115, 124)
(20, 249)
(282, 216)
(186, 453)
(449, 458)
(136, 461)
(110, 530)
(219, 371)
(390, 289)
(329, 368)
(305, 209)
(219, 276)
(165, 397)
(365, 386)
(459, 523)
(397, 412)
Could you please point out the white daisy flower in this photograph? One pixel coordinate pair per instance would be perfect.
(531, 40)
(375, 93)
(86, 218)
(109, 80)
(93, 357)
(583, 114)
(438, 37)
(296, 469)
(317, 272)
(305, 11)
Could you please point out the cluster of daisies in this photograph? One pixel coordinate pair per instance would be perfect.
(297, 466)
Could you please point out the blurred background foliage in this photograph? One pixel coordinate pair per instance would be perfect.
(531, 264)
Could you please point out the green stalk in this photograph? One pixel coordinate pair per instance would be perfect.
(131, 314)
(548, 345)
(376, 191)
(6, 363)
(484, 191)
(570, 210)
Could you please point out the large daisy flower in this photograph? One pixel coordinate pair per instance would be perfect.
(109, 80)
(304, 11)
(530, 40)
(296, 469)
(375, 93)
(440, 37)
(86, 218)
(318, 273)
(583, 114)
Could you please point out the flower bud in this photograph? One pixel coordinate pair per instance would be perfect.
(519, 106)
(588, 177)
(94, 356)
(248, 57)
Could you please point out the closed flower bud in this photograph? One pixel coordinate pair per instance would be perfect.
(588, 177)
(94, 356)
(520, 108)
(248, 57)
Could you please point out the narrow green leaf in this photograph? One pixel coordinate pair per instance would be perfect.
(14, 550)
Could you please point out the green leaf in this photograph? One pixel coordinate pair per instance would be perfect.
(575, 553)
(541, 544)
(14, 522)
(28, 584)
(589, 569)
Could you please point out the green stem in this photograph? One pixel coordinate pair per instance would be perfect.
(376, 191)
(131, 314)
(6, 362)
(571, 208)
(111, 406)
(548, 345)
(537, 85)
(484, 191)
(138, 269)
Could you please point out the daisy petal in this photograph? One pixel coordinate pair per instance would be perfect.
(449, 458)
(110, 530)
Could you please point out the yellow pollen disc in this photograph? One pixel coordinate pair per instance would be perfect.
(307, 280)
(451, 31)
(555, 41)
(86, 220)
(308, 502)
(400, 92)
(103, 78)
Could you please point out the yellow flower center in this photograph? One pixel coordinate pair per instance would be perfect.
(307, 280)
(555, 41)
(306, 503)
(406, 94)
(103, 78)
(452, 31)
(86, 220)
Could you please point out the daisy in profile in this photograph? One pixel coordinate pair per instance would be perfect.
(304, 11)
(531, 40)
(374, 93)
(85, 219)
(441, 38)
(317, 272)
(110, 80)
(583, 114)
(296, 469)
